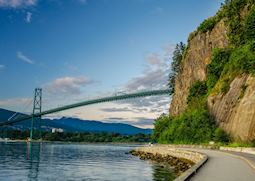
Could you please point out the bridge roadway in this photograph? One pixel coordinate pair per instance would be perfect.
(225, 166)
(90, 102)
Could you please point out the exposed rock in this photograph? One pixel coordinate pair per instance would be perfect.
(179, 165)
(235, 111)
(193, 67)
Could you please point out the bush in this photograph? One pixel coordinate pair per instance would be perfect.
(219, 59)
(198, 89)
(242, 59)
(191, 127)
(234, 21)
(160, 125)
(249, 28)
(221, 136)
(207, 25)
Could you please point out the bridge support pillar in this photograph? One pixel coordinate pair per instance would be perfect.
(37, 108)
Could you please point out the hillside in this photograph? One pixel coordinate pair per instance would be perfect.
(221, 53)
(212, 81)
(77, 125)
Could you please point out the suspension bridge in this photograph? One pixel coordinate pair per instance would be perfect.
(37, 105)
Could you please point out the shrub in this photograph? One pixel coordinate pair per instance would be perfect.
(242, 59)
(219, 59)
(198, 89)
(207, 25)
(231, 10)
(221, 136)
(160, 125)
(249, 28)
(190, 127)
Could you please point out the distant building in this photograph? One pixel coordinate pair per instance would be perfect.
(57, 130)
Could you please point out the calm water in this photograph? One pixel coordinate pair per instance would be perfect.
(43, 161)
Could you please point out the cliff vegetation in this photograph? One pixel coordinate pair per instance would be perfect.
(206, 92)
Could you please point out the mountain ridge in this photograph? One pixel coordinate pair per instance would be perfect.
(69, 124)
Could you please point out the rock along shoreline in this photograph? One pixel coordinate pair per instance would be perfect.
(184, 162)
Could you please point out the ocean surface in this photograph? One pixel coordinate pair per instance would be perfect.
(89, 162)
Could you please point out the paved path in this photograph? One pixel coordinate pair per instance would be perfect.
(223, 166)
(250, 158)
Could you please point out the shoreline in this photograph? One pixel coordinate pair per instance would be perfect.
(179, 165)
(184, 162)
(69, 142)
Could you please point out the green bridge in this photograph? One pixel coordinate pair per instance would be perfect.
(37, 102)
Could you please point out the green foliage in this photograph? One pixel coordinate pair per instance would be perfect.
(219, 59)
(195, 124)
(221, 136)
(238, 144)
(80, 137)
(226, 65)
(160, 125)
(198, 89)
(191, 127)
(249, 28)
(231, 11)
(242, 59)
(175, 65)
(207, 25)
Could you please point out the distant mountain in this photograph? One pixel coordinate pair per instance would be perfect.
(76, 125)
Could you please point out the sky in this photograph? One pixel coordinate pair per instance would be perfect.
(77, 50)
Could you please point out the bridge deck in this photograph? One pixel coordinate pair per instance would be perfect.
(90, 102)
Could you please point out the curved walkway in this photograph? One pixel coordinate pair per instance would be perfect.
(224, 166)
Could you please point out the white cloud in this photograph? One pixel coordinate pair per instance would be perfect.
(28, 17)
(154, 76)
(24, 58)
(67, 85)
(17, 3)
(2, 66)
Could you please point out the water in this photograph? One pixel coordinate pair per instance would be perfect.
(89, 162)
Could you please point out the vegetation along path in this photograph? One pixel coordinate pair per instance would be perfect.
(224, 166)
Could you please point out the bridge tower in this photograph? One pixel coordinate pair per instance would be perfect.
(37, 108)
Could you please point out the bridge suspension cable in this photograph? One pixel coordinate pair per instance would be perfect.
(27, 104)
(90, 102)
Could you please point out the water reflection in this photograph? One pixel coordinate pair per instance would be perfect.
(33, 155)
(43, 161)
(162, 173)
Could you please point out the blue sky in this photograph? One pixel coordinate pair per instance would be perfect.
(79, 48)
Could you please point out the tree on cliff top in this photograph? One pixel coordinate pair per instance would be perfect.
(175, 65)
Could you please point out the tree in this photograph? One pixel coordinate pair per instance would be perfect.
(175, 65)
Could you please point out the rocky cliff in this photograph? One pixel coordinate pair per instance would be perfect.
(194, 64)
(234, 111)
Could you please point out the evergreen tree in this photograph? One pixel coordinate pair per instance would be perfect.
(175, 65)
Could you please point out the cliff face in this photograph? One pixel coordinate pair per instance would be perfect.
(233, 111)
(194, 64)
